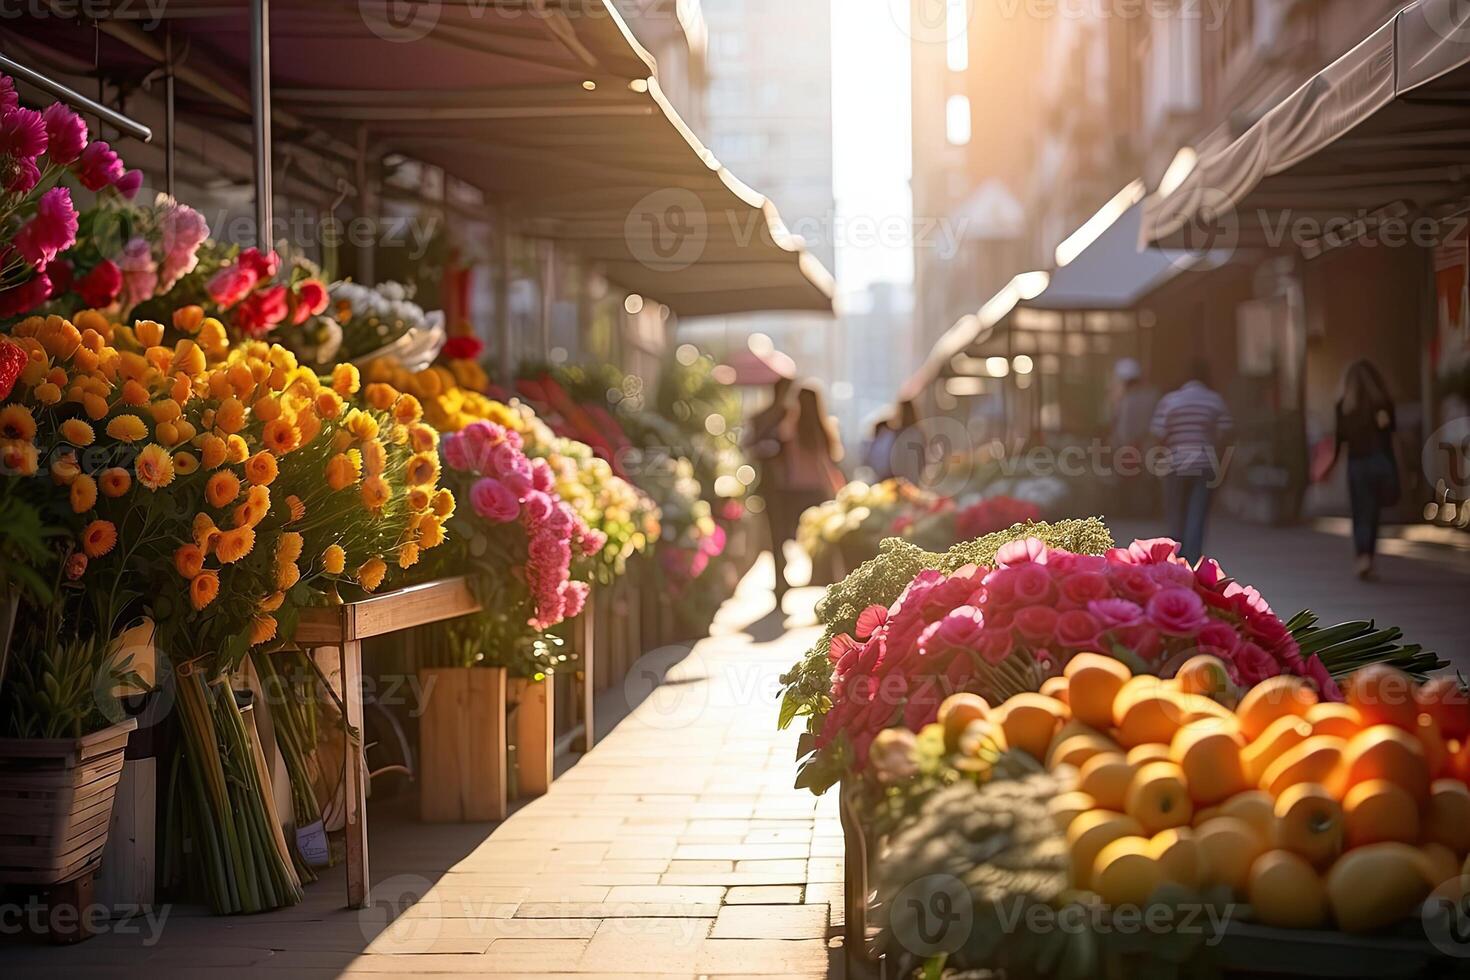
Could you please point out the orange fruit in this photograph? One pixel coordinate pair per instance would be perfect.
(1204, 674)
(1335, 718)
(1284, 694)
(1055, 687)
(1148, 752)
(1197, 707)
(1444, 700)
(1440, 864)
(1280, 735)
(1384, 695)
(1312, 761)
(1076, 750)
(1158, 797)
(1229, 847)
(956, 713)
(1029, 721)
(1383, 752)
(1308, 822)
(1375, 886)
(1124, 873)
(1178, 855)
(1089, 834)
(1286, 892)
(1378, 810)
(1457, 766)
(1210, 758)
(1066, 807)
(1146, 711)
(1255, 807)
(1093, 681)
(1105, 777)
(1447, 815)
(1436, 750)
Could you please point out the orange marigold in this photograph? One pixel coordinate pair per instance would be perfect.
(345, 379)
(361, 424)
(234, 544)
(77, 432)
(380, 396)
(83, 494)
(212, 451)
(229, 417)
(408, 555)
(287, 575)
(252, 511)
(203, 588)
(288, 548)
(98, 538)
(189, 560)
(422, 438)
(185, 463)
(280, 436)
(19, 457)
(204, 532)
(444, 504)
(296, 508)
(272, 602)
(344, 469)
(375, 493)
(238, 448)
(222, 489)
(334, 559)
(17, 422)
(406, 409)
(262, 629)
(423, 469)
(418, 498)
(114, 481)
(189, 318)
(261, 469)
(370, 574)
(374, 457)
(431, 533)
(328, 403)
(154, 467)
(127, 428)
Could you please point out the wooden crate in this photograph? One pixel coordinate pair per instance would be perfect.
(56, 800)
(462, 743)
(533, 734)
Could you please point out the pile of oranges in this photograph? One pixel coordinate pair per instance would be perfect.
(1314, 812)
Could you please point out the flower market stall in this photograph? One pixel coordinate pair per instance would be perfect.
(1041, 726)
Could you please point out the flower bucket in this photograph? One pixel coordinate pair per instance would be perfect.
(462, 743)
(531, 708)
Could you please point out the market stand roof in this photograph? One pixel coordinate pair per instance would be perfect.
(1379, 133)
(550, 107)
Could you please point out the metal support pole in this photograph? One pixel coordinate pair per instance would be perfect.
(169, 133)
(77, 100)
(260, 110)
(505, 331)
(367, 206)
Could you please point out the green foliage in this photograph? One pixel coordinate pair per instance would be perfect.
(880, 581)
(1352, 646)
(63, 689)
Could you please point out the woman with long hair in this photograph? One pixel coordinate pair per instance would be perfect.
(808, 460)
(1365, 425)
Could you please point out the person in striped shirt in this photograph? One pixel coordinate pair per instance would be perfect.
(1193, 424)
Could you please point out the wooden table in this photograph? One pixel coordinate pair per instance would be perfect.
(345, 627)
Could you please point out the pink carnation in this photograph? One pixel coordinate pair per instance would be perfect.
(22, 133)
(25, 297)
(52, 230)
(182, 231)
(129, 184)
(1178, 612)
(98, 166)
(455, 454)
(539, 507)
(139, 272)
(66, 134)
(493, 501)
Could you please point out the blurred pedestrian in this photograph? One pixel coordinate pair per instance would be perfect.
(1128, 437)
(809, 454)
(878, 453)
(1366, 425)
(1194, 425)
(908, 458)
(763, 447)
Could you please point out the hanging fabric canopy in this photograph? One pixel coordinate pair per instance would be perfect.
(548, 107)
(1377, 135)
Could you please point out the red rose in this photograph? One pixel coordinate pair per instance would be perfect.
(99, 288)
(263, 265)
(1036, 624)
(230, 285)
(463, 348)
(262, 311)
(309, 300)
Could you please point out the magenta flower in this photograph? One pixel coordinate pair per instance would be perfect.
(1021, 553)
(452, 446)
(1219, 638)
(1253, 664)
(870, 619)
(101, 286)
(994, 645)
(20, 176)
(576, 598)
(1177, 612)
(1084, 587)
(98, 166)
(22, 133)
(1079, 629)
(493, 501)
(129, 184)
(25, 297)
(230, 285)
(1033, 584)
(1116, 613)
(264, 265)
(139, 272)
(52, 230)
(9, 98)
(1036, 624)
(539, 506)
(66, 134)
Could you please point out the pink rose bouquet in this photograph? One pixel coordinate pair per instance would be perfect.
(1003, 630)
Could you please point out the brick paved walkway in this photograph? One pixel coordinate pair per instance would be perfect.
(676, 848)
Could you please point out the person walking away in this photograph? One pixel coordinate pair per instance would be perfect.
(878, 454)
(763, 448)
(1194, 425)
(1128, 437)
(810, 452)
(1366, 425)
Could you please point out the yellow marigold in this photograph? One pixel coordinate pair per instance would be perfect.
(288, 548)
(423, 469)
(375, 493)
(406, 409)
(212, 337)
(189, 560)
(19, 457)
(234, 544)
(242, 380)
(154, 467)
(212, 451)
(165, 410)
(182, 389)
(222, 489)
(204, 531)
(280, 436)
(114, 481)
(252, 511)
(408, 555)
(267, 408)
(422, 438)
(287, 575)
(188, 358)
(94, 405)
(345, 379)
(261, 469)
(418, 498)
(47, 393)
(370, 574)
(185, 463)
(238, 449)
(295, 508)
(308, 427)
(380, 396)
(148, 332)
(361, 424)
(65, 469)
(189, 318)
(334, 559)
(328, 403)
(185, 430)
(98, 538)
(133, 393)
(203, 588)
(83, 494)
(443, 504)
(167, 434)
(17, 422)
(431, 533)
(127, 428)
(272, 602)
(341, 439)
(229, 417)
(374, 457)
(262, 629)
(344, 469)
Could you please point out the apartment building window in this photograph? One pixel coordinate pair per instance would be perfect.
(957, 34)
(957, 120)
(1171, 82)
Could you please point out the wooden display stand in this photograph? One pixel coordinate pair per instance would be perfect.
(533, 731)
(462, 742)
(343, 628)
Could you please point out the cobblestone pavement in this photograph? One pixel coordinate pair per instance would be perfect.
(675, 848)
